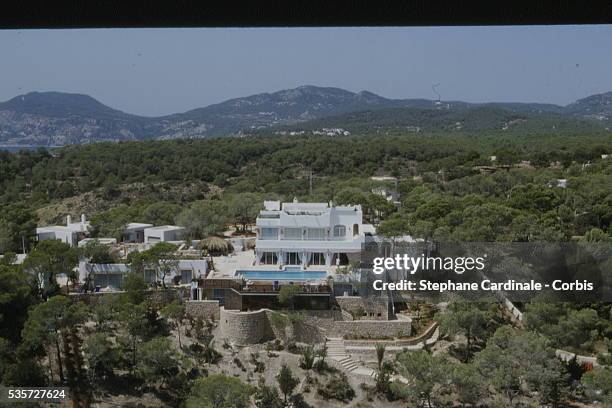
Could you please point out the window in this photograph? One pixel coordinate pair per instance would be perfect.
(339, 231)
(150, 275)
(269, 258)
(186, 275)
(340, 259)
(218, 294)
(100, 280)
(292, 233)
(293, 258)
(317, 234)
(269, 233)
(318, 258)
(115, 280)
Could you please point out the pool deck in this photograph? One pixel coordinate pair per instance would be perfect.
(226, 266)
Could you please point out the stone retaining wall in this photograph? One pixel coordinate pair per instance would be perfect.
(316, 325)
(376, 308)
(373, 329)
(413, 341)
(244, 328)
(205, 309)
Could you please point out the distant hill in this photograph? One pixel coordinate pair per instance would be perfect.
(469, 119)
(55, 118)
(598, 107)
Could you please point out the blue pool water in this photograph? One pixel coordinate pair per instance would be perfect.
(282, 275)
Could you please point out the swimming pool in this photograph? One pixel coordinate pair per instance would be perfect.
(282, 275)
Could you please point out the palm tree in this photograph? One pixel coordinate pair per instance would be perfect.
(323, 353)
(380, 354)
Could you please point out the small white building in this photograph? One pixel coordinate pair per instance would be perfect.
(19, 258)
(391, 196)
(103, 275)
(134, 232)
(71, 233)
(561, 183)
(163, 233)
(308, 234)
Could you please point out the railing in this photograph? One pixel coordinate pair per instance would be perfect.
(304, 289)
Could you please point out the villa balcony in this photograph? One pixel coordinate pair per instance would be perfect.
(261, 287)
(346, 245)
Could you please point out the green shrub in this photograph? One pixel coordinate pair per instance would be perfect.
(337, 388)
(308, 358)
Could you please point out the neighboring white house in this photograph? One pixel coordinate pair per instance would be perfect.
(561, 183)
(19, 258)
(391, 196)
(163, 233)
(134, 232)
(309, 234)
(103, 275)
(112, 275)
(71, 233)
(384, 178)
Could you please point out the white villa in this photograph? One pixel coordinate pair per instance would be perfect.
(71, 233)
(135, 232)
(309, 234)
(163, 233)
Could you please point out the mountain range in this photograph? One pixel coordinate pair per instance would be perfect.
(56, 118)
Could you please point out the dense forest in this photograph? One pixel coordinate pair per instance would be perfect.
(442, 188)
(495, 186)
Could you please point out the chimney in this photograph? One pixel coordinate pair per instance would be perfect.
(68, 220)
(83, 220)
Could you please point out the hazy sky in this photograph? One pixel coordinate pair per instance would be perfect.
(161, 71)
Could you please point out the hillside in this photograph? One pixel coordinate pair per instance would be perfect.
(469, 119)
(597, 107)
(55, 118)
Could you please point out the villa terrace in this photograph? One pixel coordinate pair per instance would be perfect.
(241, 294)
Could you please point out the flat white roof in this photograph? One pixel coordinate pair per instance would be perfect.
(52, 228)
(137, 225)
(166, 228)
(383, 178)
(73, 227)
(110, 268)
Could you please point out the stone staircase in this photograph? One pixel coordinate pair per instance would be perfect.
(337, 352)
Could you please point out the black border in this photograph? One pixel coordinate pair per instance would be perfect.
(307, 13)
